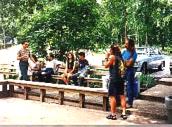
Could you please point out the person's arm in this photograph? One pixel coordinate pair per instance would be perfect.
(37, 67)
(130, 62)
(19, 57)
(109, 61)
(31, 58)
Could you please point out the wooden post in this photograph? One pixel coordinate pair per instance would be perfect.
(81, 100)
(11, 88)
(26, 90)
(42, 95)
(88, 81)
(61, 97)
(105, 103)
(4, 87)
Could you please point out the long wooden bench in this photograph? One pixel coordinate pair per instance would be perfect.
(82, 91)
(87, 79)
(96, 71)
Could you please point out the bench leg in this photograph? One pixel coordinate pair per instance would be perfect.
(26, 90)
(105, 103)
(61, 97)
(42, 95)
(4, 87)
(81, 100)
(11, 88)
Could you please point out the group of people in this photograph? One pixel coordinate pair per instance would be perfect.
(77, 70)
(113, 60)
(41, 71)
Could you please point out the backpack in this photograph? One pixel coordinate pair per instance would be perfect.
(122, 68)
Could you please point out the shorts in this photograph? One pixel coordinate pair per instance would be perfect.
(116, 87)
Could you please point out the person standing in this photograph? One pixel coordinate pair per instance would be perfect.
(23, 55)
(116, 83)
(129, 56)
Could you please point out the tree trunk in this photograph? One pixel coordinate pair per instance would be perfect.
(3, 36)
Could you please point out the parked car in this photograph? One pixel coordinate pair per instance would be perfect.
(149, 58)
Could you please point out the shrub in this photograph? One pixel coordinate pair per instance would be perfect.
(146, 81)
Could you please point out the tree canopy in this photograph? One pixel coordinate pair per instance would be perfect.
(65, 25)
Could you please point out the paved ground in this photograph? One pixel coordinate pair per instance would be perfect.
(16, 111)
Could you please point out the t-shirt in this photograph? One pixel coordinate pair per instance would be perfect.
(53, 64)
(126, 55)
(24, 52)
(83, 63)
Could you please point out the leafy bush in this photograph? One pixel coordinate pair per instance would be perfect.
(146, 81)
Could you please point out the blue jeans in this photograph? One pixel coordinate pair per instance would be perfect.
(130, 73)
(78, 78)
(47, 76)
(24, 68)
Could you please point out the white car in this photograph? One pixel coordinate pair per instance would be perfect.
(148, 58)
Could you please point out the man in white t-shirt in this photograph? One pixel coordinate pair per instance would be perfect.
(51, 67)
(52, 63)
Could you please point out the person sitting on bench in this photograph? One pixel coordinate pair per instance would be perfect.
(50, 68)
(83, 67)
(70, 68)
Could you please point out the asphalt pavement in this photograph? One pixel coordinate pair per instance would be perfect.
(15, 111)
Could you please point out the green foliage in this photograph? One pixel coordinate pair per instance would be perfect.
(66, 25)
(63, 26)
(146, 81)
(95, 85)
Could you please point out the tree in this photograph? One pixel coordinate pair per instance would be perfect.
(64, 26)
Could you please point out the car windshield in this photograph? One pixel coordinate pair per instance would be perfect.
(141, 51)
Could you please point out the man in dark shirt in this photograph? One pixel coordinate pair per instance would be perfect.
(83, 67)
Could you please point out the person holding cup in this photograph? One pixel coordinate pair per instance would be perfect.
(23, 55)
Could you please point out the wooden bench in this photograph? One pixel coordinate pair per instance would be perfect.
(8, 70)
(87, 79)
(4, 93)
(95, 71)
(82, 91)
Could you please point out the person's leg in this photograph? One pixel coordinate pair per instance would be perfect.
(130, 87)
(112, 92)
(112, 108)
(40, 77)
(49, 72)
(123, 104)
(74, 78)
(24, 69)
(48, 78)
(21, 71)
(64, 78)
(69, 77)
(81, 81)
(113, 105)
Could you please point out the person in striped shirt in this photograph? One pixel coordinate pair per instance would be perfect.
(23, 55)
